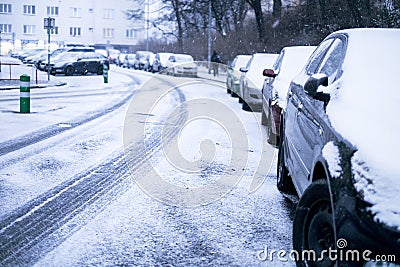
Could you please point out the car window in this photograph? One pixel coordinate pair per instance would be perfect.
(332, 60)
(317, 56)
(234, 62)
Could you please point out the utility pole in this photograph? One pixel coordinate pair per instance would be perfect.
(209, 35)
(147, 24)
(49, 24)
(0, 51)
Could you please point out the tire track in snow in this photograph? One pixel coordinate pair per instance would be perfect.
(56, 129)
(32, 230)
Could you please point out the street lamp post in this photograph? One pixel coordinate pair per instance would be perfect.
(49, 24)
(209, 35)
(0, 51)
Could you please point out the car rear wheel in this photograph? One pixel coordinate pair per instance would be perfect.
(245, 106)
(69, 71)
(283, 179)
(313, 226)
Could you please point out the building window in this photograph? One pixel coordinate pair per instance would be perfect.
(5, 28)
(54, 30)
(131, 33)
(29, 29)
(29, 10)
(52, 10)
(5, 8)
(109, 14)
(74, 31)
(75, 12)
(108, 33)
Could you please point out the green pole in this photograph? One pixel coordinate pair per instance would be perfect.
(25, 93)
(105, 73)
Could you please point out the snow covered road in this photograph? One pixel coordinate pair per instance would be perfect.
(77, 193)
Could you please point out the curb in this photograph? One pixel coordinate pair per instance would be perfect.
(34, 86)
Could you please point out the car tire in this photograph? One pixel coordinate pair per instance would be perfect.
(69, 71)
(228, 91)
(284, 182)
(173, 73)
(245, 106)
(313, 224)
(240, 100)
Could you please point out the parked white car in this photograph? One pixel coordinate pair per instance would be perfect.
(251, 80)
(181, 64)
(161, 61)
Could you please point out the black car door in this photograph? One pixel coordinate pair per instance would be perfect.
(311, 113)
(296, 115)
(81, 64)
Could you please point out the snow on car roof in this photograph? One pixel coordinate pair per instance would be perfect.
(183, 58)
(256, 65)
(364, 108)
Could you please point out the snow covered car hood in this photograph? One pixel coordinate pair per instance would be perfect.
(365, 108)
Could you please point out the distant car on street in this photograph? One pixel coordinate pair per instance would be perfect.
(161, 61)
(148, 66)
(339, 147)
(289, 63)
(251, 80)
(182, 65)
(129, 61)
(42, 62)
(140, 59)
(70, 63)
(233, 74)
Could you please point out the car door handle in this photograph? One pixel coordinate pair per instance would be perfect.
(320, 131)
(299, 107)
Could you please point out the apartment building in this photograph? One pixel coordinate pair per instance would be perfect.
(99, 23)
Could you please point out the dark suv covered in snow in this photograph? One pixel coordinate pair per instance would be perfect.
(339, 140)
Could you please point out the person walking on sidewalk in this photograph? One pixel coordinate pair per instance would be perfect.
(215, 59)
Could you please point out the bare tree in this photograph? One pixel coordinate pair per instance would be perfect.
(257, 8)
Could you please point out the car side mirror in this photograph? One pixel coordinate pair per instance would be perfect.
(312, 84)
(244, 69)
(269, 73)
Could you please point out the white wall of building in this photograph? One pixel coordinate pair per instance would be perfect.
(93, 22)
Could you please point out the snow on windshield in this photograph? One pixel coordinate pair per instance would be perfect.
(241, 61)
(294, 59)
(258, 63)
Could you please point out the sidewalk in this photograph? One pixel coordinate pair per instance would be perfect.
(39, 79)
(203, 73)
